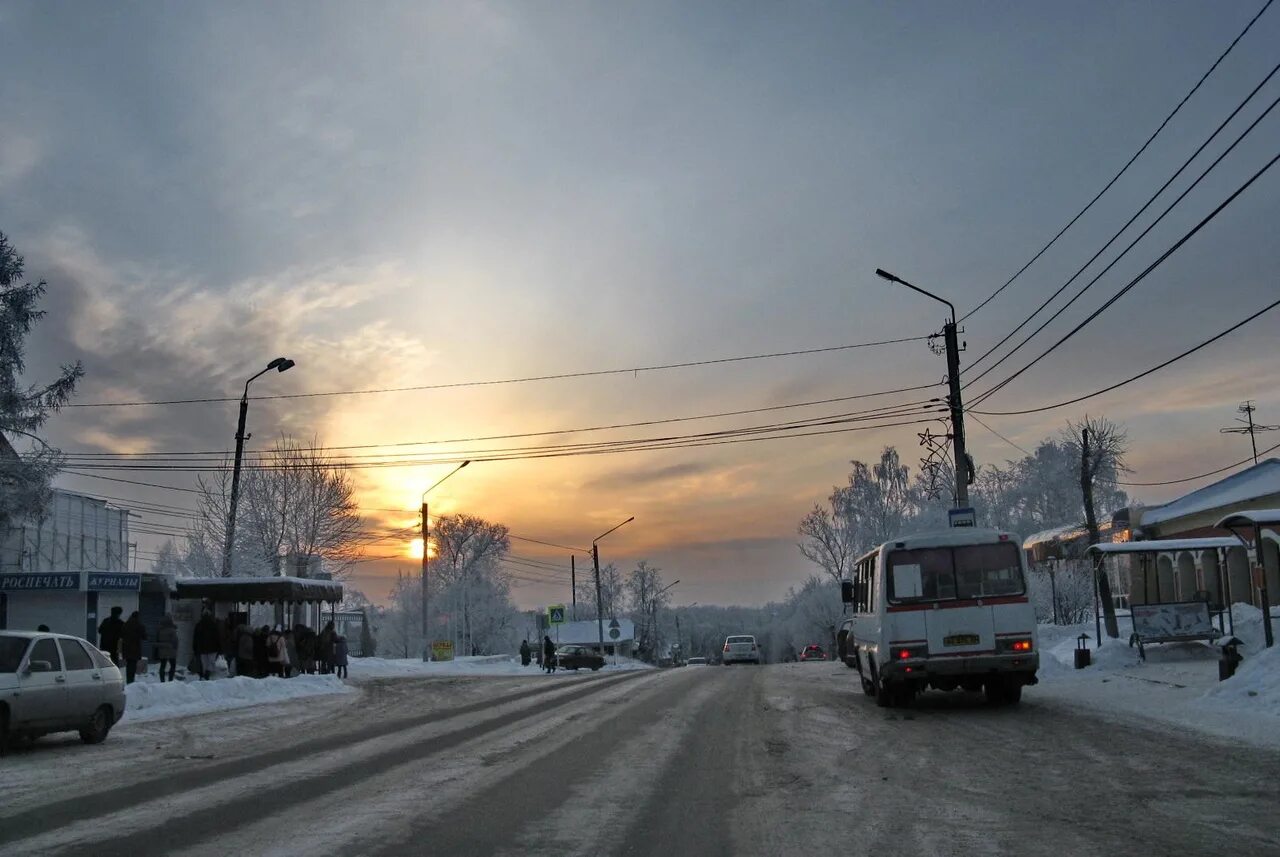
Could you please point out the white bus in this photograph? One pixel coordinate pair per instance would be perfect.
(945, 609)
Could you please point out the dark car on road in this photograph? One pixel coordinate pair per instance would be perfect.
(578, 657)
(813, 653)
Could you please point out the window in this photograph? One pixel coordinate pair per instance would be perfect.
(100, 658)
(47, 650)
(945, 574)
(11, 649)
(75, 657)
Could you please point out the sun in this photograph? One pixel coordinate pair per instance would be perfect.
(415, 549)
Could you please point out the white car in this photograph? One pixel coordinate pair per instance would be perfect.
(740, 649)
(57, 683)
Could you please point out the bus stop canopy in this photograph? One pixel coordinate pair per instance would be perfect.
(1162, 545)
(253, 590)
(1250, 518)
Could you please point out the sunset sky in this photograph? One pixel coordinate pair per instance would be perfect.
(432, 193)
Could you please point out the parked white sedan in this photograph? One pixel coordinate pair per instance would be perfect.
(57, 683)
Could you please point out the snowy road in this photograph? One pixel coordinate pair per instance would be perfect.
(788, 759)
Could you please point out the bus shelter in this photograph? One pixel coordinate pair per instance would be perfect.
(286, 594)
(1168, 617)
(1252, 521)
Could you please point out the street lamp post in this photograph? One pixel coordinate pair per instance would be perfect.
(964, 470)
(426, 532)
(654, 620)
(280, 364)
(595, 561)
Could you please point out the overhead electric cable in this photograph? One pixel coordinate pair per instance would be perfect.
(1128, 163)
(556, 377)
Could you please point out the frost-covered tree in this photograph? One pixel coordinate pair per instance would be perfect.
(27, 462)
(645, 598)
(612, 593)
(169, 560)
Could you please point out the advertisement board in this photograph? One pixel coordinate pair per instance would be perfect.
(442, 650)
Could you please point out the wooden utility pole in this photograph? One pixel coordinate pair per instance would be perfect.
(1087, 469)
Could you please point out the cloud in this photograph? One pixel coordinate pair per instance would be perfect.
(641, 476)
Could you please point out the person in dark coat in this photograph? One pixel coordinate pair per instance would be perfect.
(526, 654)
(324, 648)
(548, 655)
(131, 638)
(340, 655)
(205, 644)
(109, 634)
(244, 650)
(227, 639)
(306, 642)
(166, 647)
(261, 652)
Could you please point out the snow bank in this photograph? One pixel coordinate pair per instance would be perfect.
(153, 700)
(482, 665)
(1255, 686)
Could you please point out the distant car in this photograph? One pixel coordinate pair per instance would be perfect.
(813, 653)
(696, 662)
(740, 649)
(57, 683)
(578, 657)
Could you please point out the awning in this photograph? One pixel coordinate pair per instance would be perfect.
(252, 590)
(1163, 545)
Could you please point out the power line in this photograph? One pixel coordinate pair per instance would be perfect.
(1127, 224)
(996, 433)
(131, 482)
(640, 424)
(635, 370)
(1139, 278)
(1198, 476)
(1128, 163)
(1133, 378)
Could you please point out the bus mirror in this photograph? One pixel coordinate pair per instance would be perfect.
(846, 591)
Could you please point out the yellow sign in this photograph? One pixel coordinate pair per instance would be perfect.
(442, 650)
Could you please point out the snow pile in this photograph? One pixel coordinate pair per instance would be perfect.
(148, 700)
(1255, 686)
(480, 665)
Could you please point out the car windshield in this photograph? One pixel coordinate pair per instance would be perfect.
(964, 572)
(741, 640)
(11, 649)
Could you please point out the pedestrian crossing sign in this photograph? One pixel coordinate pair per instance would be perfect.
(555, 614)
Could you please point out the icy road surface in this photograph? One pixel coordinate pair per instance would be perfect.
(701, 761)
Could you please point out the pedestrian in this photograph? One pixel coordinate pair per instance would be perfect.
(227, 639)
(205, 644)
(131, 638)
(109, 634)
(166, 647)
(548, 655)
(261, 652)
(525, 654)
(324, 648)
(306, 649)
(340, 655)
(244, 649)
(277, 652)
(291, 646)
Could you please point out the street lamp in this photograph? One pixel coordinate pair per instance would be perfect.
(595, 561)
(964, 469)
(426, 532)
(654, 619)
(280, 364)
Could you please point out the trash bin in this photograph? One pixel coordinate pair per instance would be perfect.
(1229, 659)
(1084, 656)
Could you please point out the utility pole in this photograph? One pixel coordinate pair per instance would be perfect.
(573, 584)
(426, 622)
(964, 468)
(963, 474)
(1087, 469)
(595, 561)
(1249, 427)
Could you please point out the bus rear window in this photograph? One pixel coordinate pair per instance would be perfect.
(950, 573)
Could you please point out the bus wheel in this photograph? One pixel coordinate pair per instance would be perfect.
(867, 687)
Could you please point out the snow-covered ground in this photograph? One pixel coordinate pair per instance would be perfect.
(149, 699)
(484, 665)
(1177, 684)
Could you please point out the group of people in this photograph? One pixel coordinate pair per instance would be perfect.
(548, 659)
(269, 651)
(251, 652)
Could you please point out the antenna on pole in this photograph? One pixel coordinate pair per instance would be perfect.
(1249, 427)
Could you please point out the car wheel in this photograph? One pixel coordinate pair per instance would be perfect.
(4, 730)
(99, 726)
(593, 669)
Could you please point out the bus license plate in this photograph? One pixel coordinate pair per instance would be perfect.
(960, 640)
